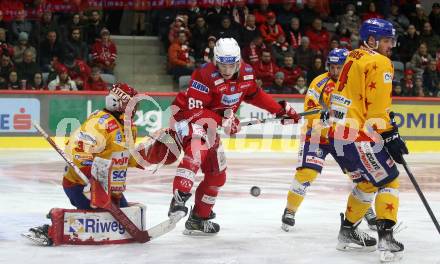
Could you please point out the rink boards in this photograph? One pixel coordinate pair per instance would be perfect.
(59, 113)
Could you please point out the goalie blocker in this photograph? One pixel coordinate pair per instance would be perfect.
(93, 227)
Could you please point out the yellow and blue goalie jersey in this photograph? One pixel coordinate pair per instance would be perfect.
(101, 135)
(319, 93)
(362, 96)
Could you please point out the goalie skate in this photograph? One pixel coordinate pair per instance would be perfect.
(39, 235)
(350, 238)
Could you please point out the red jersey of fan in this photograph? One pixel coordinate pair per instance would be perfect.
(209, 95)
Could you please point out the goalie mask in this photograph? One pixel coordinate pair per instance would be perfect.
(119, 96)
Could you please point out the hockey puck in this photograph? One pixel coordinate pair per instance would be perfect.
(255, 191)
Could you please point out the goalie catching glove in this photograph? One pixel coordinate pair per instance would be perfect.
(287, 114)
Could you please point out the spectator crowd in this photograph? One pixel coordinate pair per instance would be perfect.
(67, 51)
(287, 43)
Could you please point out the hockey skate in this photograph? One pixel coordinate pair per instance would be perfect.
(288, 220)
(390, 249)
(352, 239)
(178, 210)
(39, 235)
(370, 217)
(197, 226)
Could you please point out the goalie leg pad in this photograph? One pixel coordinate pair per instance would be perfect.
(93, 227)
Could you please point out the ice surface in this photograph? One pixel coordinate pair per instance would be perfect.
(250, 226)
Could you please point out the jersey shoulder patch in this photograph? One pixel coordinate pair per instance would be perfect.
(198, 86)
(248, 69)
(323, 81)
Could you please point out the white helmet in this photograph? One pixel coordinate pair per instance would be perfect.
(227, 51)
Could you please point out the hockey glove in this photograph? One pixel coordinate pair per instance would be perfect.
(287, 114)
(325, 116)
(231, 125)
(395, 145)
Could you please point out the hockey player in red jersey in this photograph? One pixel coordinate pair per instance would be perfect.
(215, 92)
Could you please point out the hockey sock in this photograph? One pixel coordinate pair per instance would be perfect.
(347, 223)
(189, 166)
(359, 201)
(387, 201)
(205, 199)
(303, 178)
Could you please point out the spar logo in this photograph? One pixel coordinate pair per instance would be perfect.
(91, 225)
(16, 115)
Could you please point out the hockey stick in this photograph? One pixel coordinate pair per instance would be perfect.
(262, 121)
(416, 185)
(139, 235)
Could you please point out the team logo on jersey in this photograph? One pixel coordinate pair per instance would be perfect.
(370, 161)
(248, 69)
(387, 77)
(339, 99)
(103, 118)
(215, 74)
(87, 138)
(199, 87)
(313, 94)
(83, 156)
(118, 137)
(338, 113)
(231, 99)
(314, 160)
(248, 77)
(111, 126)
(320, 83)
(219, 81)
(232, 88)
(245, 85)
(87, 163)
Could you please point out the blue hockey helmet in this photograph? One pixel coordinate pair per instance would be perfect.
(337, 56)
(377, 28)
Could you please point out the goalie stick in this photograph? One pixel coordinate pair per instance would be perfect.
(415, 184)
(139, 235)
